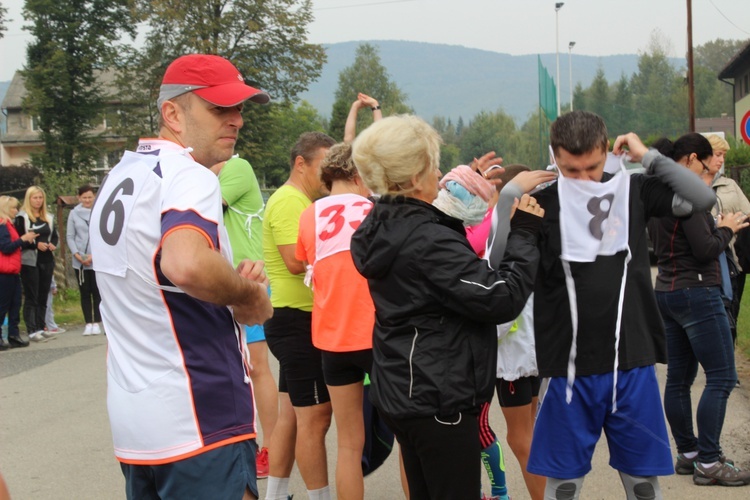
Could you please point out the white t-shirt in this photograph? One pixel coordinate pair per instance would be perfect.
(177, 377)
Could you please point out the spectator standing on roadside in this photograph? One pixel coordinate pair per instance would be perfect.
(77, 237)
(10, 270)
(179, 394)
(729, 198)
(689, 293)
(37, 263)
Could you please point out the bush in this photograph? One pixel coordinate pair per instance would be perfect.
(738, 154)
(15, 180)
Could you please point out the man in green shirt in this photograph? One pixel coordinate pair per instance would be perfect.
(305, 408)
(243, 215)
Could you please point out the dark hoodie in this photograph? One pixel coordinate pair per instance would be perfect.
(436, 305)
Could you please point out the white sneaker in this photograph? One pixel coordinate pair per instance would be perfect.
(37, 336)
(89, 328)
(96, 330)
(50, 334)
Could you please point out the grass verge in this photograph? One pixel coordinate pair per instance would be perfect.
(67, 306)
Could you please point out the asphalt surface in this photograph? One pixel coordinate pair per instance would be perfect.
(55, 441)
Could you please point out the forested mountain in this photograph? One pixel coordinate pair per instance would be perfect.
(453, 81)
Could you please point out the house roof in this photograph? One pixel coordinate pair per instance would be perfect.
(738, 64)
(17, 90)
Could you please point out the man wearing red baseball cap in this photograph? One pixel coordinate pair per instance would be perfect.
(180, 401)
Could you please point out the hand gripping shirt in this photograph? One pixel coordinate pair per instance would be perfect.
(177, 381)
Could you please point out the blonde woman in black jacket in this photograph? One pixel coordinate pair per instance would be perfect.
(436, 307)
(37, 262)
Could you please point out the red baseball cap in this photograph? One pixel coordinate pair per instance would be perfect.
(210, 77)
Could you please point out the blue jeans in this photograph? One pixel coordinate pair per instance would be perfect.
(697, 332)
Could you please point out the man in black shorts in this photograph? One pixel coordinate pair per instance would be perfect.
(305, 408)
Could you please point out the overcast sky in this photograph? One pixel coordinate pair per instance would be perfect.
(599, 27)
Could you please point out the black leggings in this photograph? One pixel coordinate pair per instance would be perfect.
(36, 282)
(441, 455)
(90, 298)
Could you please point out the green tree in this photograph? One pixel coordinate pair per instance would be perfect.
(3, 20)
(367, 75)
(712, 96)
(579, 97)
(597, 96)
(449, 157)
(716, 54)
(622, 114)
(658, 91)
(74, 40)
(283, 123)
(489, 132)
(266, 40)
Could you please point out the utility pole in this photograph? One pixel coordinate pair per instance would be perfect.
(570, 71)
(558, 6)
(691, 81)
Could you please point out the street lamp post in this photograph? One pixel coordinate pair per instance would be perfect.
(570, 71)
(558, 6)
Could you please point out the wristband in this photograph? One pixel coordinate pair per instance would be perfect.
(375, 108)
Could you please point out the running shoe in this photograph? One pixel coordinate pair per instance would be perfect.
(37, 336)
(685, 466)
(721, 474)
(261, 463)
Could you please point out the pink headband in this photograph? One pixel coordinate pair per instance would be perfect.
(468, 178)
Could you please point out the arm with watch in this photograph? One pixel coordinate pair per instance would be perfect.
(363, 101)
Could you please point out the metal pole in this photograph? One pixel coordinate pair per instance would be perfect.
(691, 81)
(570, 71)
(558, 6)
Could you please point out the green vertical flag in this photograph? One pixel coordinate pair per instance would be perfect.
(547, 93)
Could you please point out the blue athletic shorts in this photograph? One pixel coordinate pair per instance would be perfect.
(254, 333)
(565, 435)
(225, 472)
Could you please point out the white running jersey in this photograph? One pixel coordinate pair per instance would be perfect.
(176, 374)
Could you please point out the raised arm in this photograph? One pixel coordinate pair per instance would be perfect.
(363, 101)
(504, 210)
(690, 192)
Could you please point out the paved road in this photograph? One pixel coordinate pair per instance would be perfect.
(55, 441)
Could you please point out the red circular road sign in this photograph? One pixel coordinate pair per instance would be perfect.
(745, 127)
